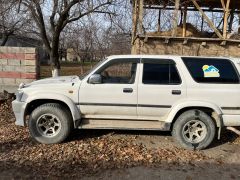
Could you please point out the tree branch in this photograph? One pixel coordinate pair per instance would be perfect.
(52, 17)
(41, 24)
(89, 12)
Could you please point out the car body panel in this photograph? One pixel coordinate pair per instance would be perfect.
(147, 103)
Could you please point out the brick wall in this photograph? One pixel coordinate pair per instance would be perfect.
(17, 64)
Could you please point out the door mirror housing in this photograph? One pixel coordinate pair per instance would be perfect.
(95, 79)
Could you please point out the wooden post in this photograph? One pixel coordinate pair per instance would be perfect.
(225, 21)
(140, 15)
(175, 18)
(159, 20)
(184, 21)
(134, 20)
(207, 19)
(223, 4)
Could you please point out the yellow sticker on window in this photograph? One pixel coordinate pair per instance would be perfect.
(210, 71)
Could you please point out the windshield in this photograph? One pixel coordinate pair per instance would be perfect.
(82, 76)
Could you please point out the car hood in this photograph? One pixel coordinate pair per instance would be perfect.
(54, 80)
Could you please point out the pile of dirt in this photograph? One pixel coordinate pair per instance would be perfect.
(191, 31)
(235, 36)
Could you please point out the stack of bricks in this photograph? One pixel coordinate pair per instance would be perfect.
(17, 65)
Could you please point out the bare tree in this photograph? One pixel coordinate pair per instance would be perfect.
(11, 22)
(51, 17)
(97, 36)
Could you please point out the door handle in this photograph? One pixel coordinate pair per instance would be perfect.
(176, 92)
(127, 90)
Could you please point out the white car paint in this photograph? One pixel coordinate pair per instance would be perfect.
(77, 94)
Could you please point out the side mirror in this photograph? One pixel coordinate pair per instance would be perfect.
(95, 79)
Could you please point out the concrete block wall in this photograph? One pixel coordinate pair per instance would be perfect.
(17, 65)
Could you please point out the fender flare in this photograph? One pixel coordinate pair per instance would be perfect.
(59, 97)
(194, 104)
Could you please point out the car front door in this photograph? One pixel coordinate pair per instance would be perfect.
(116, 96)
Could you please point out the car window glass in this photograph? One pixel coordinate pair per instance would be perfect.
(119, 73)
(160, 73)
(211, 70)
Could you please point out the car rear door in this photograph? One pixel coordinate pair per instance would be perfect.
(160, 87)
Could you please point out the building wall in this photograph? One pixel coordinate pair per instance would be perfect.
(161, 46)
(17, 65)
(21, 41)
(72, 56)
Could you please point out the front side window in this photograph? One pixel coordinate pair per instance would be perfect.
(119, 72)
(160, 72)
(211, 70)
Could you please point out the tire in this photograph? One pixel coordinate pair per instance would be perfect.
(50, 123)
(194, 130)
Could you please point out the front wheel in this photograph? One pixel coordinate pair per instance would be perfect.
(50, 123)
(194, 129)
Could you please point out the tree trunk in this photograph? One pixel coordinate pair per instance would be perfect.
(55, 72)
(5, 38)
(54, 57)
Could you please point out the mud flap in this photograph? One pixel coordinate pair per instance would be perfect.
(219, 122)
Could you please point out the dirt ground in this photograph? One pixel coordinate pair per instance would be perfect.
(105, 154)
(223, 163)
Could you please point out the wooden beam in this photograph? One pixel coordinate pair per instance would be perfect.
(223, 4)
(175, 18)
(140, 12)
(134, 20)
(184, 21)
(188, 9)
(225, 21)
(194, 39)
(207, 19)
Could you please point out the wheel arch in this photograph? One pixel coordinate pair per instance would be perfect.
(36, 101)
(212, 110)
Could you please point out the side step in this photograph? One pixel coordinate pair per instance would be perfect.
(124, 124)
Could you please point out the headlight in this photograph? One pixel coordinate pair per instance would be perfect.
(19, 95)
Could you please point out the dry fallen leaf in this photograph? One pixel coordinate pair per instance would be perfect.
(85, 153)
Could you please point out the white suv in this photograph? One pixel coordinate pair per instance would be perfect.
(191, 96)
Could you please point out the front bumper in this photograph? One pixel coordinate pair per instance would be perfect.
(19, 110)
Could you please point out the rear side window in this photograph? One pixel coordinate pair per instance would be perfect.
(209, 70)
(161, 72)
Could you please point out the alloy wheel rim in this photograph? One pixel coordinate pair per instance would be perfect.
(48, 125)
(194, 131)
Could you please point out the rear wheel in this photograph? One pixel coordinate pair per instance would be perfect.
(50, 123)
(194, 129)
